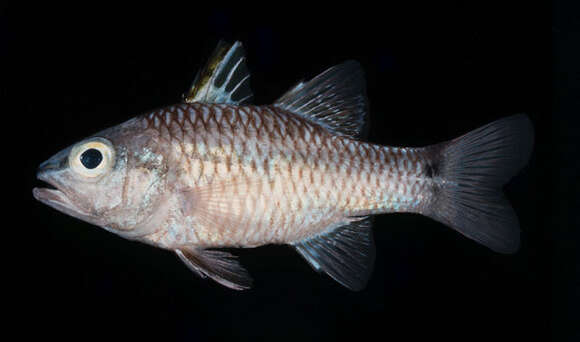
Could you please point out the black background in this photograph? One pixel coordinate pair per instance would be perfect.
(434, 71)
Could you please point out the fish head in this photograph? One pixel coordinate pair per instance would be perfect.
(114, 179)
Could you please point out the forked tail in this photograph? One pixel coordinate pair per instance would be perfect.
(469, 173)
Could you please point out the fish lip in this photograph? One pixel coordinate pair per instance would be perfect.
(51, 197)
(56, 198)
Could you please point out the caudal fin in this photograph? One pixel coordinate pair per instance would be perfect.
(470, 172)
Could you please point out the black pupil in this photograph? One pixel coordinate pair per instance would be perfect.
(91, 158)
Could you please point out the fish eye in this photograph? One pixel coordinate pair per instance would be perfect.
(92, 158)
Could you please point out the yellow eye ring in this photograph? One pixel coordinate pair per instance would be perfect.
(92, 158)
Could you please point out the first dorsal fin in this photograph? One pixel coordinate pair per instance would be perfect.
(346, 254)
(335, 99)
(224, 78)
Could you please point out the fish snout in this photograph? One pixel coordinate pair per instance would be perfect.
(55, 163)
(47, 172)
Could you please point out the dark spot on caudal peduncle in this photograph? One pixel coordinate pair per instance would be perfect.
(432, 169)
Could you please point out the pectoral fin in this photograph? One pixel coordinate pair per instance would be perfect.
(346, 254)
(218, 265)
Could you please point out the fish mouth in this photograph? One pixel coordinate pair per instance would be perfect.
(57, 199)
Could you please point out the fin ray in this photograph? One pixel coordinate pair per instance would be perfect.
(218, 265)
(224, 78)
(472, 170)
(335, 99)
(346, 254)
(220, 204)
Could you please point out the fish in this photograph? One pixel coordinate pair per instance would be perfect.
(216, 172)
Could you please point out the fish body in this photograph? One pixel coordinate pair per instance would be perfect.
(256, 175)
(215, 172)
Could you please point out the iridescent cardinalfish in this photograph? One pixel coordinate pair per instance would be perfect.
(214, 172)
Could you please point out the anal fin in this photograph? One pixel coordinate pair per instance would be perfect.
(346, 254)
(218, 265)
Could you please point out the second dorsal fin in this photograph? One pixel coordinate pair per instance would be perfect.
(335, 99)
(224, 78)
